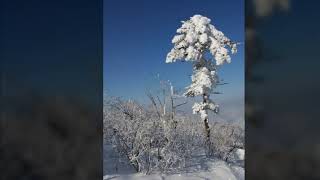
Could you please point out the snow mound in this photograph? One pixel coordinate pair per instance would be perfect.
(240, 154)
(207, 169)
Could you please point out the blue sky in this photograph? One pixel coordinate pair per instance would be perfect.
(137, 38)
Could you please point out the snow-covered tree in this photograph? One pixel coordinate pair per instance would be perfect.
(207, 48)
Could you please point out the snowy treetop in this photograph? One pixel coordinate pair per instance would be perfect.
(196, 37)
(194, 40)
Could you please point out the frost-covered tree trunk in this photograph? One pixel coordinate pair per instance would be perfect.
(195, 40)
(206, 120)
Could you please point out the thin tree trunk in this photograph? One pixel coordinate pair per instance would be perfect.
(173, 109)
(207, 129)
(206, 123)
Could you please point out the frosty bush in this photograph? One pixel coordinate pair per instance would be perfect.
(225, 139)
(138, 134)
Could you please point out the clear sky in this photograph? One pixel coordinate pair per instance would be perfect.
(137, 38)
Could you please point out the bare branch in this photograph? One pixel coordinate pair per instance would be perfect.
(180, 104)
(154, 104)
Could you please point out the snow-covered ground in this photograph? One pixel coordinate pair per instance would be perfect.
(198, 168)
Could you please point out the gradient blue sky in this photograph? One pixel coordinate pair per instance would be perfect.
(137, 38)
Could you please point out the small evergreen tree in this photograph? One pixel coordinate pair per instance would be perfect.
(206, 47)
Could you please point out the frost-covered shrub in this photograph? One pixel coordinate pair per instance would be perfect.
(225, 139)
(183, 141)
(138, 133)
(122, 124)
